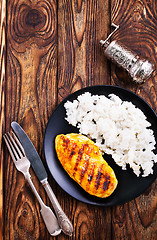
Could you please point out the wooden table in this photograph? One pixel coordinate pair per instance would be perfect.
(50, 49)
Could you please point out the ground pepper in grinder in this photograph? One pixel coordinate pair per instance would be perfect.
(138, 68)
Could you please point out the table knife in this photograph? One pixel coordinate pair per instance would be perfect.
(41, 173)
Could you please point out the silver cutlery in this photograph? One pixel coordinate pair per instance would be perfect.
(23, 164)
(41, 173)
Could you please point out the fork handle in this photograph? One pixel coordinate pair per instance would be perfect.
(28, 177)
(49, 218)
(63, 220)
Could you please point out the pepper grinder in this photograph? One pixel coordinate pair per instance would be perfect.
(138, 68)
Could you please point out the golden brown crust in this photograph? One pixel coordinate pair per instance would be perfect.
(84, 163)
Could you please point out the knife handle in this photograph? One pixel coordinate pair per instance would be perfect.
(63, 220)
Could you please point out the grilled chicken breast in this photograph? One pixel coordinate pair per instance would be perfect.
(82, 160)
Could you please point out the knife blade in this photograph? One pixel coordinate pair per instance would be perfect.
(30, 151)
(41, 173)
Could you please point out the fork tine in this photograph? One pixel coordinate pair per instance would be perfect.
(9, 145)
(17, 150)
(19, 143)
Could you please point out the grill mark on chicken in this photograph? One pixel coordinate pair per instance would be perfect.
(80, 154)
(72, 153)
(66, 142)
(79, 158)
(85, 168)
(73, 150)
(90, 176)
(98, 177)
(106, 182)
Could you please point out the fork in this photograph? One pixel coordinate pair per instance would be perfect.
(23, 164)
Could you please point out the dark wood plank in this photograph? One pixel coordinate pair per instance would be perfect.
(30, 98)
(2, 99)
(53, 50)
(138, 26)
(81, 24)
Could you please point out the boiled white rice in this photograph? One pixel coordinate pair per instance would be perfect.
(118, 127)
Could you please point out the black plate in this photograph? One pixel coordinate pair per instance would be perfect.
(129, 185)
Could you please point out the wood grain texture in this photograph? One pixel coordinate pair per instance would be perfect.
(53, 50)
(81, 24)
(2, 100)
(31, 96)
(138, 27)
